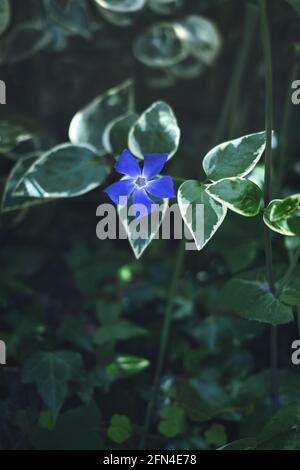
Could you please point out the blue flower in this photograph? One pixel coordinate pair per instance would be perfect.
(141, 184)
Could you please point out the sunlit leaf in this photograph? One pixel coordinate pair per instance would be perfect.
(121, 6)
(125, 366)
(234, 158)
(119, 430)
(156, 131)
(285, 208)
(88, 124)
(12, 133)
(238, 194)
(201, 213)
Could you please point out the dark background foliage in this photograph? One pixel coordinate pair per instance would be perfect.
(79, 308)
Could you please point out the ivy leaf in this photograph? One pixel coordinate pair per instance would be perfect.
(285, 208)
(119, 430)
(238, 194)
(88, 124)
(280, 226)
(141, 232)
(156, 131)
(295, 4)
(12, 201)
(125, 366)
(5, 14)
(51, 372)
(64, 171)
(294, 223)
(172, 421)
(234, 158)
(202, 225)
(254, 301)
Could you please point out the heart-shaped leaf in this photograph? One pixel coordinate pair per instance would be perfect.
(140, 232)
(234, 158)
(88, 124)
(254, 301)
(238, 194)
(71, 14)
(121, 6)
(201, 213)
(65, 171)
(156, 131)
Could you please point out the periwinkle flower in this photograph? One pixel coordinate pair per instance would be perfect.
(141, 183)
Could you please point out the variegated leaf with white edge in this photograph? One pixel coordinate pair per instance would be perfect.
(201, 213)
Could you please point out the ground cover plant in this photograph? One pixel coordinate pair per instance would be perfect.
(124, 343)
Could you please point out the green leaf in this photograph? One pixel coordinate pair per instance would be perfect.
(64, 171)
(294, 223)
(121, 6)
(248, 443)
(238, 194)
(285, 208)
(202, 225)
(172, 421)
(290, 293)
(88, 124)
(215, 435)
(5, 14)
(51, 372)
(295, 4)
(282, 431)
(234, 158)
(125, 366)
(119, 430)
(188, 398)
(115, 137)
(161, 45)
(12, 133)
(12, 201)
(280, 226)
(113, 327)
(156, 131)
(254, 301)
(71, 14)
(140, 232)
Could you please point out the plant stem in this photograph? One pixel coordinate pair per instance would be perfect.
(163, 343)
(266, 40)
(231, 100)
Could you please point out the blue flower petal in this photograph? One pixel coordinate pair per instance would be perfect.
(122, 188)
(153, 164)
(127, 165)
(162, 187)
(141, 198)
